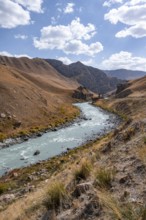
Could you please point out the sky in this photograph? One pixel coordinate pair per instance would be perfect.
(107, 34)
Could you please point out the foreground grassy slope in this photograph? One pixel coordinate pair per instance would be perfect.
(103, 180)
(33, 96)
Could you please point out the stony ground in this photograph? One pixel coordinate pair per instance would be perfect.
(104, 180)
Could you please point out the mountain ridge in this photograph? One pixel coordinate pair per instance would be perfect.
(125, 74)
(94, 79)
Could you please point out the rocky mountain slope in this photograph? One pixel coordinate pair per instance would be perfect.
(92, 78)
(32, 92)
(125, 74)
(104, 179)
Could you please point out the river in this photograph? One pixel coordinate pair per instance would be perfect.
(94, 123)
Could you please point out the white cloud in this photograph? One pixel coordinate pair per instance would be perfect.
(124, 60)
(12, 14)
(69, 8)
(89, 62)
(16, 12)
(65, 60)
(68, 61)
(5, 53)
(78, 47)
(133, 15)
(31, 5)
(69, 38)
(109, 3)
(20, 36)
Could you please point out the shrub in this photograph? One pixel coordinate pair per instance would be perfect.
(104, 177)
(56, 196)
(4, 187)
(144, 140)
(2, 136)
(83, 172)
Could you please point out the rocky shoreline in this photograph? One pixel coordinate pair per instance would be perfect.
(116, 120)
(18, 140)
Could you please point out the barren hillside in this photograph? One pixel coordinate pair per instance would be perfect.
(31, 92)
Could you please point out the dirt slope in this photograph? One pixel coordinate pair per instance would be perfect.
(31, 91)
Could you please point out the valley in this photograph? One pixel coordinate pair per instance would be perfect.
(103, 178)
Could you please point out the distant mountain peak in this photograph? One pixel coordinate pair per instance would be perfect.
(92, 78)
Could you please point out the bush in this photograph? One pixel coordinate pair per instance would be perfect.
(56, 196)
(104, 178)
(2, 136)
(4, 187)
(144, 140)
(83, 172)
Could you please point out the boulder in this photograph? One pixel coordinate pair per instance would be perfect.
(3, 115)
(82, 188)
(36, 152)
(17, 124)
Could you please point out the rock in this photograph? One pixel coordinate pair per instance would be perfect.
(92, 208)
(7, 198)
(17, 124)
(124, 179)
(106, 148)
(39, 134)
(82, 93)
(36, 153)
(3, 115)
(15, 174)
(82, 188)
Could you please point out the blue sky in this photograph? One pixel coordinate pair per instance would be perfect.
(108, 34)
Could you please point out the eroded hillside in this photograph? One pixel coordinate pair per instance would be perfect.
(33, 94)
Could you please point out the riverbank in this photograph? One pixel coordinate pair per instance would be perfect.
(85, 129)
(114, 187)
(24, 135)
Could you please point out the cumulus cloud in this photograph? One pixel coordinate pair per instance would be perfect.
(31, 5)
(21, 36)
(65, 60)
(68, 61)
(111, 2)
(133, 15)
(124, 60)
(5, 53)
(16, 12)
(69, 8)
(70, 39)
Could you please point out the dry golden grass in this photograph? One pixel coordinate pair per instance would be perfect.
(104, 177)
(56, 196)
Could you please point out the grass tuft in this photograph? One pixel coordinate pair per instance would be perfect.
(56, 196)
(144, 140)
(104, 177)
(4, 187)
(83, 172)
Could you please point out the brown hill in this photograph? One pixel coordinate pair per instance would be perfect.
(134, 88)
(32, 93)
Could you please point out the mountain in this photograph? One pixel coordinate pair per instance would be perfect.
(125, 74)
(32, 93)
(92, 78)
